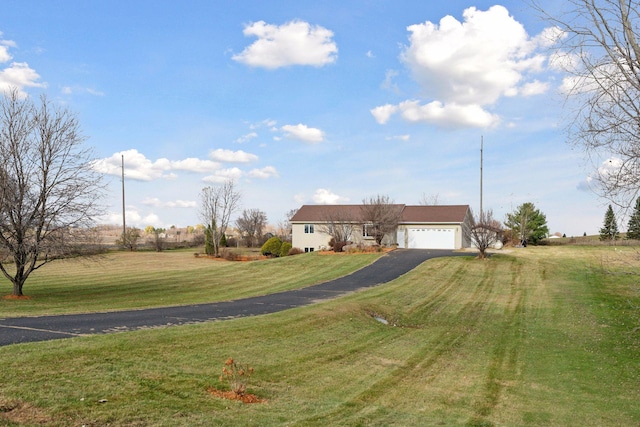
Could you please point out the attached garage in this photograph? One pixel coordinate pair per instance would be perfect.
(434, 227)
(431, 238)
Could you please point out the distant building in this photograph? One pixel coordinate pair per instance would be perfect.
(419, 227)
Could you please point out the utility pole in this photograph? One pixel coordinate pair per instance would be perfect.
(481, 149)
(124, 222)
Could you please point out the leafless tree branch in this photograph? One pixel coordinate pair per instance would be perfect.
(597, 45)
(216, 207)
(49, 191)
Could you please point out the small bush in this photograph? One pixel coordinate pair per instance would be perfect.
(285, 248)
(237, 375)
(295, 251)
(229, 255)
(337, 246)
(271, 247)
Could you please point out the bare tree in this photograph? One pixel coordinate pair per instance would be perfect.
(157, 238)
(251, 225)
(217, 206)
(484, 232)
(597, 44)
(129, 239)
(284, 230)
(340, 225)
(380, 216)
(49, 191)
(430, 199)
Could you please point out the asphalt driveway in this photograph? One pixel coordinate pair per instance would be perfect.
(43, 328)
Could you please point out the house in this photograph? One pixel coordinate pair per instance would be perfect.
(419, 227)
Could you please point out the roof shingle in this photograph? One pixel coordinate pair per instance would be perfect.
(410, 214)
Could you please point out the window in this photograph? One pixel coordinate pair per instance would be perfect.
(308, 249)
(368, 230)
(308, 228)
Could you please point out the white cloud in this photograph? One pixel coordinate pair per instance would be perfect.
(267, 122)
(5, 56)
(326, 197)
(293, 43)
(383, 113)
(448, 115)
(303, 133)
(467, 66)
(399, 137)
(223, 175)
(93, 92)
(181, 204)
(534, 88)
(138, 167)
(474, 61)
(246, 138)
(388, 83)
(157, 203)
(149, 219)
(586, 184)
(613, 172)
(68, 90)
(152, 201)
(192, 164)
(230, 156)
(134, 218)
(264, 173)
(19, 75)
(550, 36)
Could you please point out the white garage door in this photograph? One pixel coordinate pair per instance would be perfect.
(432, 238)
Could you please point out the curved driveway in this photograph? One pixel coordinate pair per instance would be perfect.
(42, 328)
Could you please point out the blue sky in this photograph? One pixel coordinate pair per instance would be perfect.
(307, 102)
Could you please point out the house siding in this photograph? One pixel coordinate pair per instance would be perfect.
(316, 240)
(320, 241)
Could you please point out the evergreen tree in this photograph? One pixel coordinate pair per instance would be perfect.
(633, 229)
(609, 230)
(527, 224)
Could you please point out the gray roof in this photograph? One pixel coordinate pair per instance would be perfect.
(410, 214)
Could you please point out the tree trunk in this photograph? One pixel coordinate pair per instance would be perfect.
(17, 289)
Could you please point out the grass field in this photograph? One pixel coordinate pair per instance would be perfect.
(132, 280)
(543, 336)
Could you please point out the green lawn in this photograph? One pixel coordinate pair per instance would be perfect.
(541, 336)
(132, 280)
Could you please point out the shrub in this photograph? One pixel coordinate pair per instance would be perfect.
(337, 246)
(237, 375)
(295, 251)
(271, 247)
(285, 248)
(229, 255)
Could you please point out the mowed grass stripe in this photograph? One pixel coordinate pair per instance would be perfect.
(465, 314)
(120, 281)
